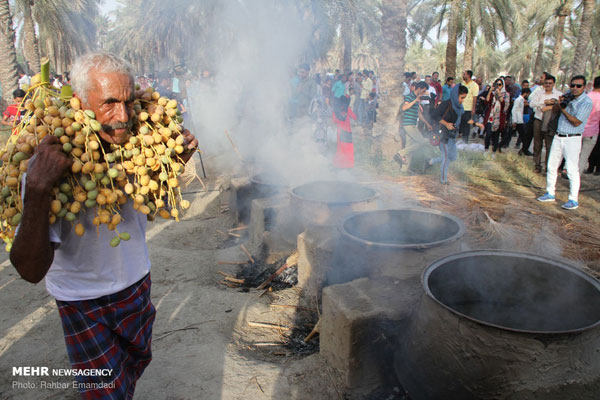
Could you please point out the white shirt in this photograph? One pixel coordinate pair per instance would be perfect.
(431, 91)
(537, 98)
(406, 90)
(24, 80)
(87, 267)
(517, 110)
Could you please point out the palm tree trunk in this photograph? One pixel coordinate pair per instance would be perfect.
(563, 11)
(346, 36)
(32, 52)
(452, 38)
(468, 56)
(583, 38)
(394, 25)
(539, 57)
(8, 61)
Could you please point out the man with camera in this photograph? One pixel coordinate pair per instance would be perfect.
(575, 108)
(412, 114)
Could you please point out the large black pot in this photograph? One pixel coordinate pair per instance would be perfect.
(503, 325)
(327, 202)
(395, 243)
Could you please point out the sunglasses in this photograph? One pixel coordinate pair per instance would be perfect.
(576, 85)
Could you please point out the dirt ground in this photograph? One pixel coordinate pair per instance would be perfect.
(202, 344)
(203, 347)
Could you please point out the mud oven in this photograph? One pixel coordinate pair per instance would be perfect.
(402, 299)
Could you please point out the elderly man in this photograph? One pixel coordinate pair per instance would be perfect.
(102, 293)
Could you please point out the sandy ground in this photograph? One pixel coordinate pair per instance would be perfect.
(202, 343)
(200, 340)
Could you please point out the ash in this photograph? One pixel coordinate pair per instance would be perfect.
(255, 274)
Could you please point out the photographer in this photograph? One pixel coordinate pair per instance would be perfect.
(575, 108)
(412, 113)
(449, 114)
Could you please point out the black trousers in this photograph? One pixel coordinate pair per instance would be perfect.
(594, 158)
(492, 136)
(527, 135)
(465, 128)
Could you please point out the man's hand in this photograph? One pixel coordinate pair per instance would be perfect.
(190, 144)
(448, 125)
(47, 166)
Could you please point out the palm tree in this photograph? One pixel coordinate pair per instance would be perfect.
(451, 48)
(8, 61)
(583, 38)
(393, 25)
(31, 49)
(562, 12)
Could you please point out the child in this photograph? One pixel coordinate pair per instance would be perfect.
(342, 113)
(12, 115)
(371, 110)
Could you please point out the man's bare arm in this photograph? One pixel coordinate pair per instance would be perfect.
(31, 253)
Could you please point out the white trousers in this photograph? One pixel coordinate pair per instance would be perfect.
(569, 148)
(587, 145)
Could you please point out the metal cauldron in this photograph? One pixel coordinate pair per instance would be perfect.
(503, 325)
(395, 243)
(327, 202)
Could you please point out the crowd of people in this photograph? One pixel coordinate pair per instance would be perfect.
(566, 124)
(445, 114)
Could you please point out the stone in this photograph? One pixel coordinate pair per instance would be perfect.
(362, 321)
(270, 229)
(316, 246)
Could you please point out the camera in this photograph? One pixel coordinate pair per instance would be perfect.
(566, 99)
(424, 97)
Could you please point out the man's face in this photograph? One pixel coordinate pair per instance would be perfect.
(18, 100)
(465, 76)
(549, 85)
(428, 80)
(479, 81)
(577, 86)
(435, 76)
(302, 73)
(509, 81)
(451, 82)
(525, 85)
(407, 78)
(526, 96)
(111, 97)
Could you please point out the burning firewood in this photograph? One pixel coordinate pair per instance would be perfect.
(268, 326)
(239, 228)
(315, 330)
(245, 250)
(290, 262)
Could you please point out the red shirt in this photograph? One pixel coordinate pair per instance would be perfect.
(438, 89)
(11, 112)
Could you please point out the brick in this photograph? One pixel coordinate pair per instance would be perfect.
(361, 322)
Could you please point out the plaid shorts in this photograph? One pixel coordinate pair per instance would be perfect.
(112, 332)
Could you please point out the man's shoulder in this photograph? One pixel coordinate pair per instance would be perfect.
(410, 97)
(473, 86)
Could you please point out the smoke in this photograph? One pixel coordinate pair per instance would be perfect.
(248, 95)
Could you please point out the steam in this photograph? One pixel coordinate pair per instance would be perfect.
(251, 88)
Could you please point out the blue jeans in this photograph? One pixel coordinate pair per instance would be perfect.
(448, 154)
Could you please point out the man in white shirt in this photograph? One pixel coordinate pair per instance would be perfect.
(542, 101)
(102, 292)
(406, 84)
(518, 122)
(24, 79)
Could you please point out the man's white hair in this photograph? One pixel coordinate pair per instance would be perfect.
(101, 62)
